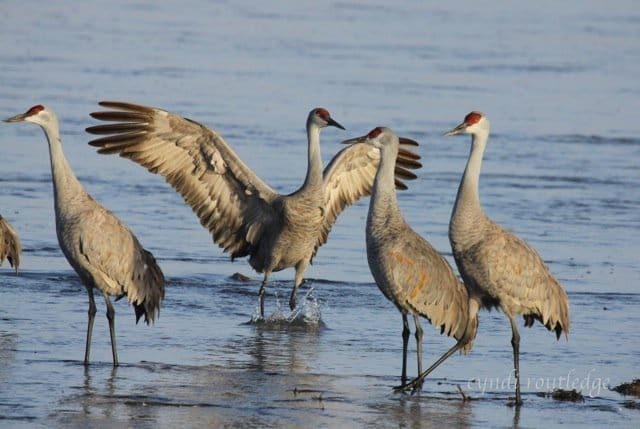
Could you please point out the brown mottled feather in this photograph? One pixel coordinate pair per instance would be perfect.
(231, 201)
(9, 244)
(410, 273)
(510, 273)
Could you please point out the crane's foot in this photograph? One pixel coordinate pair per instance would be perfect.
(514, 402)
(414, 386)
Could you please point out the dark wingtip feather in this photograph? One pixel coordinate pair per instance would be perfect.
(125, 106)
(408, 142)
(559, 331)
(408, 163)
(400, 185)
(139, 308)
(407, 154)
(108, 150)
(122, 116)
(121, 128)
(404, 174)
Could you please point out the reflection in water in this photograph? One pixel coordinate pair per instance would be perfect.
(293, 347)
(425, 412)
(8, 343)
(289, 342)
(516, 417)
(98, 398)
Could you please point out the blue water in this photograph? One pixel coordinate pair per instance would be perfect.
(558, 81)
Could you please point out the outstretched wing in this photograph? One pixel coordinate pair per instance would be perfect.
(350, 175)
(230, 200)
(9, 244)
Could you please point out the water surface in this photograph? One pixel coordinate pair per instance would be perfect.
(557, 80)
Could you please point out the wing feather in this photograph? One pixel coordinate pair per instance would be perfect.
(350, 176)
(526, 285)
(9, 244)
(226, 195)
(431, 287)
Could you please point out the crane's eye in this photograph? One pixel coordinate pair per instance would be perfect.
(374, 132)
(472, 118)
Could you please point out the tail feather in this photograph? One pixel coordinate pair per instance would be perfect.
(555, 316)
(152, 291)
(472, 326)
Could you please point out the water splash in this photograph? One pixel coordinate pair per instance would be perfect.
(307, 313)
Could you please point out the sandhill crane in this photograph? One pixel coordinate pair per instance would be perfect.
(408, 270)
(100, 248)
(243, 214)
(499, 268)
(9, 244)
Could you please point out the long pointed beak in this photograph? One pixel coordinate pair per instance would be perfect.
(17, 118)
(354, 140)
(457, 130)
(334, 123)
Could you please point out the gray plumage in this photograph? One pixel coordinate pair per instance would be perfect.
(9, 244)
(500, 269)
(243, 214)
(100, 248)
(408, 270)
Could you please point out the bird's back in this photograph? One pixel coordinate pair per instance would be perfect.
(504, 270)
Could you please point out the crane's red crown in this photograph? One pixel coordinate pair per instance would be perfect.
(472, 118)
(374, 132)
(323, 113)
(35, 110)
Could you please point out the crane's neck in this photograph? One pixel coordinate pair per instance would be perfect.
(383, 207)
(314, 163)
(65, 183)
(468, 218)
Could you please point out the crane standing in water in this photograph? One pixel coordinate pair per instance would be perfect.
(408, 270)
(100, 248)
(499, 268)
(244, 215)
(9, 244)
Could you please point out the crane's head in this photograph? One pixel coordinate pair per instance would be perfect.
(38, 114)
(320, 117)
(383, 136)
(389, 145)
(378, 137)
(473, 123)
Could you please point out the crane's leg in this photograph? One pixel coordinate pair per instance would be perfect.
(469, 335)
(419, 333)
(111, 317)
(261, 293)
(301, 267)
(92, 316)
(416, 383)
(405, 343)
(515, 343)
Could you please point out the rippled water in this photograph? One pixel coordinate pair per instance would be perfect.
(559, 83)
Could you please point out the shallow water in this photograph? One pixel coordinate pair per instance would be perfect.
(557, 80)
